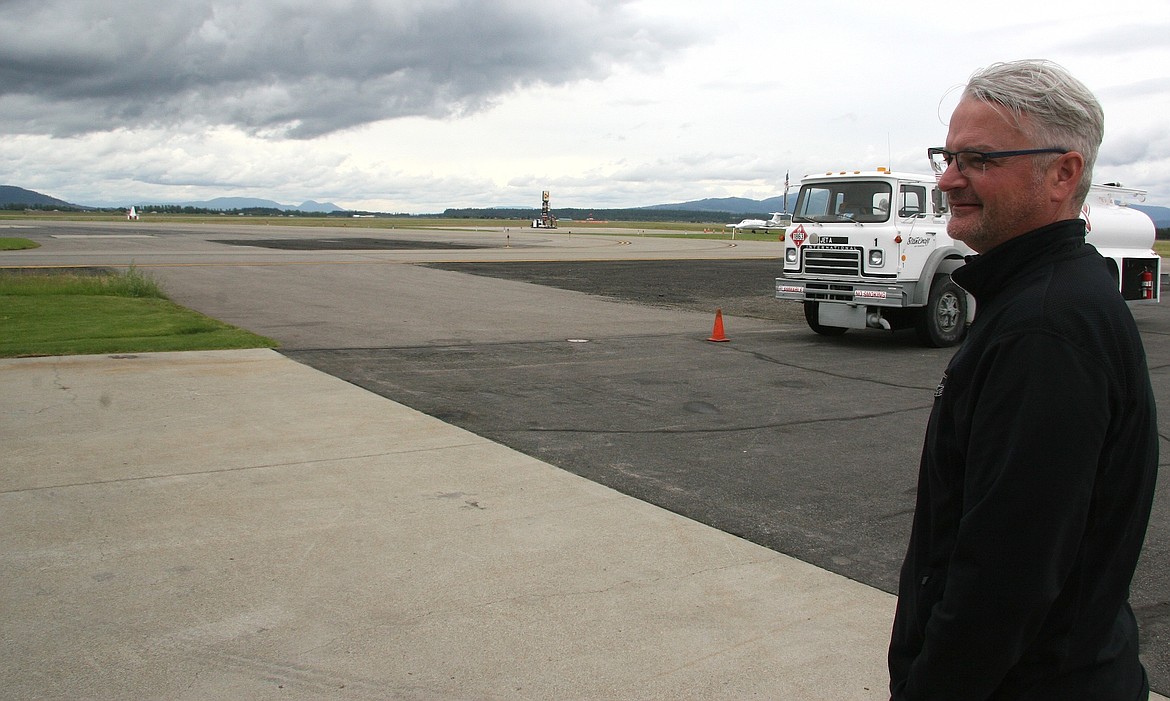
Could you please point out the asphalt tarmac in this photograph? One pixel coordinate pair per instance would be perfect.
(590, 353)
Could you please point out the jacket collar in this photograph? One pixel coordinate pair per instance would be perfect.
(986, 274)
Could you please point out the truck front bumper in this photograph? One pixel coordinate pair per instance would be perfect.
(868, 294)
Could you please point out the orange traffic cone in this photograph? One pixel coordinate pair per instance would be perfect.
(717, 332)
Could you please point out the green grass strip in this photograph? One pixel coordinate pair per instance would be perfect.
(72, 314)
(10, 244)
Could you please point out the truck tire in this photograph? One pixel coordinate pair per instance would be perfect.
(943, 321)
(812, 316)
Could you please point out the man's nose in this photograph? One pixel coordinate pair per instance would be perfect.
(952, 178)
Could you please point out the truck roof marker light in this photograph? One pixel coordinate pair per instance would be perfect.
(898, 238)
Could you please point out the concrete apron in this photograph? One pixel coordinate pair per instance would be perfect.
(235, 525)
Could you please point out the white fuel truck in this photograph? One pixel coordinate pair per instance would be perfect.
(869, 249)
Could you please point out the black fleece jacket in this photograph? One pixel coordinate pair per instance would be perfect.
(1035, 485)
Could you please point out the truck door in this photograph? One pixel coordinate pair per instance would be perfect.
(918, 234)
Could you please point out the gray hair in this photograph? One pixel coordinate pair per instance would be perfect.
(1063, 112)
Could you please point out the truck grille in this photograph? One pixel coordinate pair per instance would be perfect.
(832, 261)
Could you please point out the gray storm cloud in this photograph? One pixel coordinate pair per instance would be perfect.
(296, 68)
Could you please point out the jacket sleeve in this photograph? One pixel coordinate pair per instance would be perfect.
(1038, 418)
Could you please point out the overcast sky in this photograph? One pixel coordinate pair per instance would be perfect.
(419, 105)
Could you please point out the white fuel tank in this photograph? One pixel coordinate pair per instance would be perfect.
(1113, 225)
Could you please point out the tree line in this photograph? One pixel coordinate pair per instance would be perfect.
(580, 214)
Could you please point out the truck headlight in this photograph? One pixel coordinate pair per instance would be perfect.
(790, 255)
(876, 258)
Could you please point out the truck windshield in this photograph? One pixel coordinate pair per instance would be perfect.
(852, 201)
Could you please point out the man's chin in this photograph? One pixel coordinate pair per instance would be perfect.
(964, 231)
(959, 230)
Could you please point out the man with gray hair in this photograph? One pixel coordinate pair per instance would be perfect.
(1038, 467)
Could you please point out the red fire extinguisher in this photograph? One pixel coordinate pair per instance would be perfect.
(1147, 284)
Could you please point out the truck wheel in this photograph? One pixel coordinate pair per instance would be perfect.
(943, 320)
(812, 316)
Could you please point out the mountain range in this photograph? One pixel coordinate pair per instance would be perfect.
(225, 203)
(732, 205)
(11, 195)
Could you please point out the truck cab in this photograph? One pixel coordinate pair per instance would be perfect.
(866, 249)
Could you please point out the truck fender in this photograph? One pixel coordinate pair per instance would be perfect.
(943, 261)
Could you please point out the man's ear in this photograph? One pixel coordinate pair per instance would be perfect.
(1064, 175)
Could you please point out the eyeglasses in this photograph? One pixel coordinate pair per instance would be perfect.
(976, 161)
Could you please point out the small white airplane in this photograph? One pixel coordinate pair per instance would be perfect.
(779, 219)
